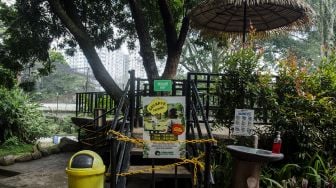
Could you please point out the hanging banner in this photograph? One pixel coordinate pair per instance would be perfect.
(243, 122)
(164, 120)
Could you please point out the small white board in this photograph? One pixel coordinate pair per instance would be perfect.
(243, 122)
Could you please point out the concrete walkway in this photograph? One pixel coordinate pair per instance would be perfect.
(47, 172)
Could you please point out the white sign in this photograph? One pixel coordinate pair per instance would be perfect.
(164, 120)
(243, 122)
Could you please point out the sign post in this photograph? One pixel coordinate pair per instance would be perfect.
(162, 85)
(243, 122)
(164, 127)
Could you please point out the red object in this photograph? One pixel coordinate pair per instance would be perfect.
(177, 129)
(277, 144)
(276, 148)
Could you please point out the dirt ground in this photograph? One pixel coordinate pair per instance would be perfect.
(48, 172)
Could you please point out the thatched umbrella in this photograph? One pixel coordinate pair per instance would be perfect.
(264, 16)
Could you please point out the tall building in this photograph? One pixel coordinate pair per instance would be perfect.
(117, 64)
(135, 62)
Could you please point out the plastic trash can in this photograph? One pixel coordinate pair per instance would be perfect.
(85, 170)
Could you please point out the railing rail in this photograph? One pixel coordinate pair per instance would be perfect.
(123, 122)
(87, 102)
(195, 107)
(201, 103)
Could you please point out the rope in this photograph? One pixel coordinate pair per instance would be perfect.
(137, 141)
(195, 161)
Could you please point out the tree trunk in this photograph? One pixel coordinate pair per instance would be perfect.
(73, 24)
(173, 60)
(146, 50)
(173, 40)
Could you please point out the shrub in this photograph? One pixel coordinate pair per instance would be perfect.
(306, 109)
(317, 172)
(20, 117)
(301, 103)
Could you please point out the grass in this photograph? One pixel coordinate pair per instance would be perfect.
(15, 149)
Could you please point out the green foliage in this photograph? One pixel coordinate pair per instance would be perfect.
(20, 117)
(61, 125)
(13, 141)
(306, 109)
(7, 77)
(203, 54)
(242, 86)
(300, 104)
(222, 166)
(62, 81)
(317, 172)
(14, 149)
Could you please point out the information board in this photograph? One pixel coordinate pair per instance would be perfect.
(162, 85)
(164, 121)
(243, 122)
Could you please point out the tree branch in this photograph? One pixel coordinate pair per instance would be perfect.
(146, 50)
(168, 24)
(183, 32)
(78, 31)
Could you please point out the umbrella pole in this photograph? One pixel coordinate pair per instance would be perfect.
(244, 24)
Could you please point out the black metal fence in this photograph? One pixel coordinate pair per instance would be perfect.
(202, 103)
(86, 102)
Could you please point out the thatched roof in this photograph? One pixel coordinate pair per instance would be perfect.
(264, 16)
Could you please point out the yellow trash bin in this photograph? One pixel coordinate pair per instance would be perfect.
(85, 170)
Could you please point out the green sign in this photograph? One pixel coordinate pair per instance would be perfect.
(162, 85)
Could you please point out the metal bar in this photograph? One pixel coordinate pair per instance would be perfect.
(199, 130)
(106, 100)
(77, 105)
(138, 98)
(125, 163)
(112, 104)
(153, 173)
(132, 98)
(85, 102)
(80, 102)
(91, 103)
(184, 87)
(120, 105)
(175, 177)
(207, 97)
(174, 88)
(244, 26)
(188, 89)
(96, 99)
(113, 164)
(201, 109)
(207, 165)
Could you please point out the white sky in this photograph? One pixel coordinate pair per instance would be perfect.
(8, 2)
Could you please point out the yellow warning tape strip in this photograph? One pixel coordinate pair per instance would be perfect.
(124, 138)
(195, 161)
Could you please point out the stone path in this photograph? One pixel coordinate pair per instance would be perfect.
(47, 172)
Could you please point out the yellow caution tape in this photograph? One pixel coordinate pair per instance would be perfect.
(195, 161)
(124, 138)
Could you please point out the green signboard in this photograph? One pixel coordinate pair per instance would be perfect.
(162, 85)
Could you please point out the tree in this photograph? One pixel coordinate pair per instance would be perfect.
(62, 81)
(205, 54)
(90, 24)
(313, 43)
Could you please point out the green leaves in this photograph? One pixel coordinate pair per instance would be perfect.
(318, 172)
(20, 117)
